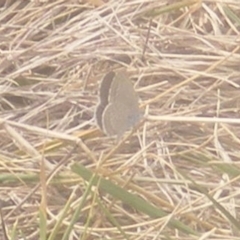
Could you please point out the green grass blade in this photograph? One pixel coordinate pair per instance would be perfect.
(128, 198)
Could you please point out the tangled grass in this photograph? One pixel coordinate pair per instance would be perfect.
(176, 177)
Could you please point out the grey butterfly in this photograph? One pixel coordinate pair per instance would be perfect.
(118, 108)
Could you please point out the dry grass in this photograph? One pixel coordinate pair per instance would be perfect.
(53, 54)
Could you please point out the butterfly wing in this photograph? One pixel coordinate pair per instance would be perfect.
(123, 110)
(103, 97)
(122, 91)
(116, 119)
(118, 109)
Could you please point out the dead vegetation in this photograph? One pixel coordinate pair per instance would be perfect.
(53, 55)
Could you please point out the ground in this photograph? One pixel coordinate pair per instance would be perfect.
(175, 175)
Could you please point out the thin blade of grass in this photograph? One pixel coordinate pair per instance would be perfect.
(79, 208)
